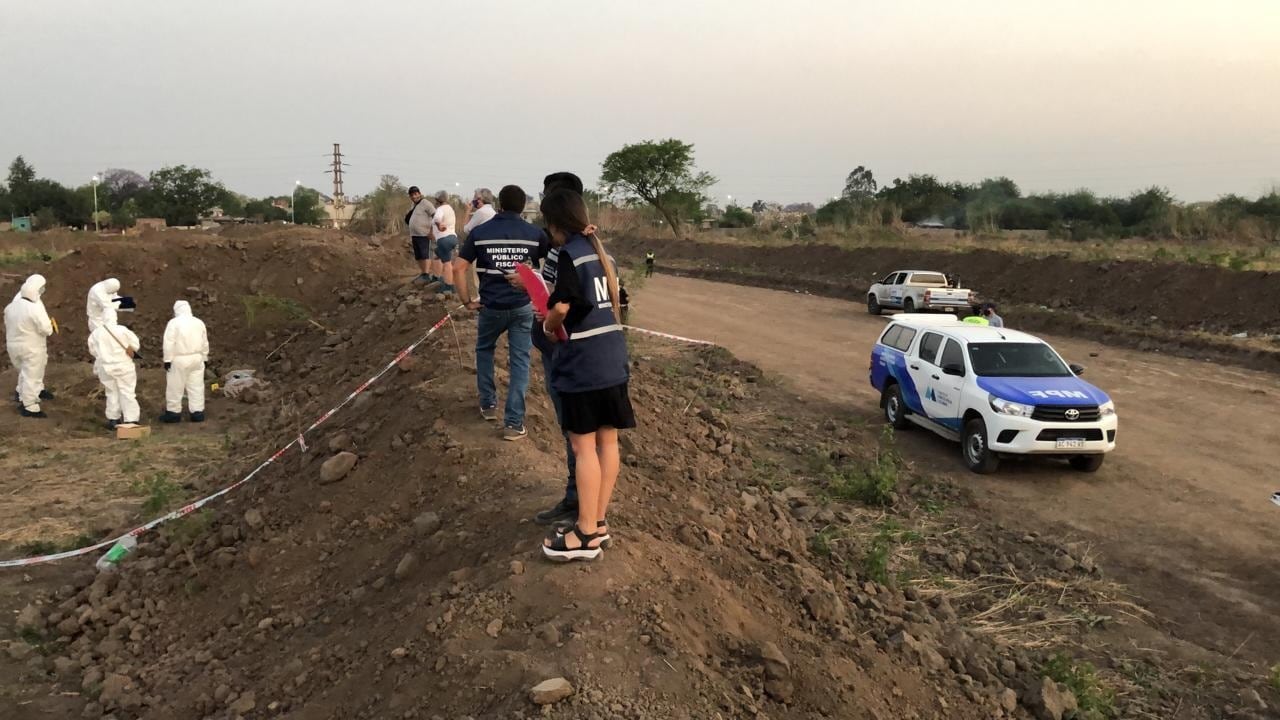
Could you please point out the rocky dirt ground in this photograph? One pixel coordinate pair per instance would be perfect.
(771, 559)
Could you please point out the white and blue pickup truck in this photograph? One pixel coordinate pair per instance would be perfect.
(997, 391)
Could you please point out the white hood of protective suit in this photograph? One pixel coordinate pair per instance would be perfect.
(100, 298)
(33, 288)
(26, 323)
(185, 334)
(107, 344)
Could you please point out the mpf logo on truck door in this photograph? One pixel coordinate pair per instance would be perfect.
(1064, 394)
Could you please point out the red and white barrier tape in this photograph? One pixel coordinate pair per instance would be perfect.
(192, 507)
(669, 337)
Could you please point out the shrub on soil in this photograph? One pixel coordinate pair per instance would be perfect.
(873, 483)
(1095, 700)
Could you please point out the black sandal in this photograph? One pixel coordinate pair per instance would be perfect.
(606, 539)
(558, 551)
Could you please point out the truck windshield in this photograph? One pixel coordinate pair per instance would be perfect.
(1016, 360)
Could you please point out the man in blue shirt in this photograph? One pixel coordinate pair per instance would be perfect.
(496, 247)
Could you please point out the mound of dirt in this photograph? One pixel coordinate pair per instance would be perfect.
(402, 588)
(391, 570)
(1171, 296)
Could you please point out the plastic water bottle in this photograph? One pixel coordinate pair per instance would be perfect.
(118, 552)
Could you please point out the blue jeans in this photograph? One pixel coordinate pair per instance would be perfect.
(518, 325)
(571, 487)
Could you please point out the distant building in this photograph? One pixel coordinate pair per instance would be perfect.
(21, 224)
(142, 224)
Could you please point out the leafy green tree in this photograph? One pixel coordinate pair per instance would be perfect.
(860, 185)
(660, 173)
(45, 219)
(232, 203)
(181, 194)
(21, 177)
(125, 216)
(308, 209)
(383, 209)
(264, 211)
(122, 185)
(737, 217)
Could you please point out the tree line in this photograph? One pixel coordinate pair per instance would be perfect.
(179, 193)
(998, 204)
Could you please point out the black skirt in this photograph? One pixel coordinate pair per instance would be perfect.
(583, 413)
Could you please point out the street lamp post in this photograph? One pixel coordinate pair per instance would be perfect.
(96, 227)
(293, 202)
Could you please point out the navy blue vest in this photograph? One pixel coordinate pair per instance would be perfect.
(595, 357)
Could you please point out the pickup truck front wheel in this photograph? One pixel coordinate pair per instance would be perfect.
(873, 305)
(1087, 463)
(977, 452)
(895, 409)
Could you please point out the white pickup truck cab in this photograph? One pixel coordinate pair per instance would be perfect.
(917, 291)
(997, 391)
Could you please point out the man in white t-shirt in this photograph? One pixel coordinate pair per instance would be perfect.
(446, 235)
(480, 211)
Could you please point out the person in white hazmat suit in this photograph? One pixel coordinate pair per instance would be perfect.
(186, 350)
(102, 297)
(113, 347)
(26, 328)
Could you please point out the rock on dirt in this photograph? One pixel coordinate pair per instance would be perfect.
(119, 691)
(550, 691)
(253, 518)
(1252, 700)
(1048, 701)
(407, 565)
(30, 618)
(427, 524)
(777, 672)
(337, 467)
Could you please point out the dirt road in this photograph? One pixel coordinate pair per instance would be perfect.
(1180, 512)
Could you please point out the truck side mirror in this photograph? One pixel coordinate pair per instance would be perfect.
(955, 369)
(1076, 369)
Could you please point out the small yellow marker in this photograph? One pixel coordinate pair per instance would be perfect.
(214, 387)
(54, 323)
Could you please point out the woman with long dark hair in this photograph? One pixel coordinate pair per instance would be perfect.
(590, 371)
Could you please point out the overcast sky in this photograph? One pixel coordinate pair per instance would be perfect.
(781, 99)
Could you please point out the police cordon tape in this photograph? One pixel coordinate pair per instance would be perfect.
(299, 441)
(192, 507)
(667, 336)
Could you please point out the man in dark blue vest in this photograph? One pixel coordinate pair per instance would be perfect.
(496, 247)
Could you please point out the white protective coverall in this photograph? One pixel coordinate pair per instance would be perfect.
(101, 297)
(114, 367)
(186, 349)
(26, 326)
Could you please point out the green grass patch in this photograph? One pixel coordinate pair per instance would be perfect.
(48, 547)
(12, 258)
(822, 543)
(1274, 679)
(186, 530)
(1096, 701)
(272, 307)
(159, 492)
(872, 483)
(875, 563)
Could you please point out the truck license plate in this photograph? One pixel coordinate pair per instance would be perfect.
(1070, 443)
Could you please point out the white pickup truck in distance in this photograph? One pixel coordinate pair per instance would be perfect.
(918, 291)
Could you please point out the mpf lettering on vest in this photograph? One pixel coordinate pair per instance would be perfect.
(1065, 394)
(602, 290)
